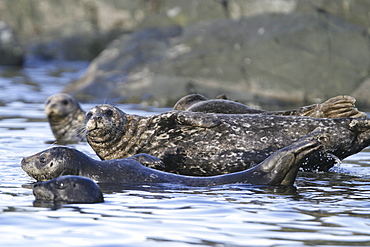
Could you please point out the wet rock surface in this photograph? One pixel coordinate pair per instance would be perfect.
(268, 59)
(268, 53)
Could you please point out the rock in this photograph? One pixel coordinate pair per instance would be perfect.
(11, 52)
(268, 59)
(80, 46)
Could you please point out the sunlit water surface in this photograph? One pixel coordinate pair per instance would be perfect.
(326, 209)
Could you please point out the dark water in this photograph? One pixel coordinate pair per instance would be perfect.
(326, 209)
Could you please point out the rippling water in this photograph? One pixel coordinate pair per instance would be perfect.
(325, 209)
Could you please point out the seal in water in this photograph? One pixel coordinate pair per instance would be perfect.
(204, 144)
(66, 118)
(59, 161)
(68, 189)
(336, 107)
(278, 169)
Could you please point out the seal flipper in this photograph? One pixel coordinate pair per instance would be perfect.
(197, 119)
(361, 127)
(148, 160)
(336, 107)
(281, 168)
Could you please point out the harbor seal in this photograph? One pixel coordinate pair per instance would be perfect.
(278, 169)
(66, 118)
(336, 107)
(68, 189)
(59, 161)
(204, 144)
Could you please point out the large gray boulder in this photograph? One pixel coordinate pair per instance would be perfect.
(11, 52)
(268, 59)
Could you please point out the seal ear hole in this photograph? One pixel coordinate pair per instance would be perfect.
(51, 164)
(47, 102)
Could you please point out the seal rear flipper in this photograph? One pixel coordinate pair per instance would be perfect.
(336, 107)
(281, 168)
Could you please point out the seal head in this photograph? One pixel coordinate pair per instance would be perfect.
(66, 118)
(51, 164)
(68, 189)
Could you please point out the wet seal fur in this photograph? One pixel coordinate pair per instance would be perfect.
(278, 169)
(68, 189)
(66, 118)
(336, 107)
(204, 144)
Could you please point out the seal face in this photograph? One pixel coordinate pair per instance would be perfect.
(66, 118)
(336, 107)
(201, 144)
(278, 169)
(68, 189)
(51, 164)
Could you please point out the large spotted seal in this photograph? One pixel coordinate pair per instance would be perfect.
(68, 189)
(66, 118)
(278, 169)
(196, 143)
(336, 107)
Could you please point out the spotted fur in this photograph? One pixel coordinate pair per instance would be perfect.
(66, 118)
(278, 169)
(196, 143)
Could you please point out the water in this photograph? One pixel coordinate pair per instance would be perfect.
(326, 209)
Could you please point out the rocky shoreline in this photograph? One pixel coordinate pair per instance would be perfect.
(270, 54)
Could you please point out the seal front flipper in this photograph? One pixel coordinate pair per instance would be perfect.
(197, 119)
(148, 160)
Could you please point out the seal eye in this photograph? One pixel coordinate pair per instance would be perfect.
(88, 115)
(65, 102)
(60, 185)
(48, 102)
(109, 113)
(42, 159)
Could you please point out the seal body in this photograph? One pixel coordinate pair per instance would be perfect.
(336, 107)
(66, 118)
(68, 189)
(195, 143)
(278, 169)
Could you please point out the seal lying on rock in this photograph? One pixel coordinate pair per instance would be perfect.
(204, 144)
(66, 118)
(336, 107)
(278, 169)
(68, 189)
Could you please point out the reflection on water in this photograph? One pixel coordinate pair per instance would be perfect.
(331, 209)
